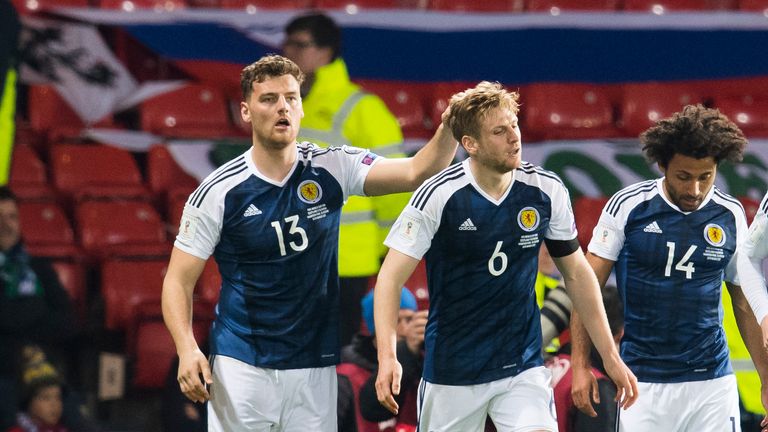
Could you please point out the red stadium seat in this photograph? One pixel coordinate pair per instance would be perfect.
(46, 229)
(749, 112)
(661, 6)
(163, 173)
(83, 170)
(50, 115)
(754, 5)
(152, 347)
(352, 6)
(193, 111)
(209, 284)
(751, 207)
(586, 211)
(28, 178)
(555, 6)
(440, 95)
(477, 6)
(406, 103)
(32, 6)
(120, 228)
(72, 275)
(566, 111)
(132, 5)
(128, 284)
(252, 6)
(177, 197)
(645, 104)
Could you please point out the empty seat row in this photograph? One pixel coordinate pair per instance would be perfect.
(353, 6)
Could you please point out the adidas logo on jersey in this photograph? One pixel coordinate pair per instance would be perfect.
(252, 211)
(652, 227)
(467, 226)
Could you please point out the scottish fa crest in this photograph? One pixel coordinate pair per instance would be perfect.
(310, 191)
(714, 235)
(528, 219)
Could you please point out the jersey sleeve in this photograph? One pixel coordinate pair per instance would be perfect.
(200, 228)
(413, 230)
(749, 258)
(355, 165)
(731, 274)
(607, 236)
(561, 225)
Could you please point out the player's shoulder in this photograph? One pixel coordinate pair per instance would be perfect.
(443, 184)
(221, 180)
(631, 196)
(528, 171)
(728, 201)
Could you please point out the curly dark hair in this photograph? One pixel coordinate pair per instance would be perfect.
(696, 132)
(269, 66)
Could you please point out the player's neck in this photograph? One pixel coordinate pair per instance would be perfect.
(274, 163)
(492, 182)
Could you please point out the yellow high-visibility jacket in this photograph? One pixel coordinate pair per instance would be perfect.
(7, 124)
(746, 376)
(338, 112)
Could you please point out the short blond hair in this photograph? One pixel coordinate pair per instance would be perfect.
(269, 66)
(471, 105)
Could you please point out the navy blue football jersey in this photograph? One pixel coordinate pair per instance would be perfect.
(276, 245)
(482, 260)
(670, 266)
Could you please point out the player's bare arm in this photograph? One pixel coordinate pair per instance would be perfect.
(582, 286)
(183, 271)
(394, 272)
(752, 335)
(405, 175)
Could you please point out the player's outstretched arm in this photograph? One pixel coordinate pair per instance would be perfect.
(406, 174)
(179, 284)
(584, 387)
(753, 340)
(583, 288)
(394, 272)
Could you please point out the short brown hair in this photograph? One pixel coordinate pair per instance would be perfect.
(269, 66)
(696, 132)
(471, 105)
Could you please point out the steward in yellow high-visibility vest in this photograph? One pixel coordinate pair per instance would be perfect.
(9, 38)
(338, 112)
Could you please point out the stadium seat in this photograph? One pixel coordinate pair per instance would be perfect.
(405, 101)
(193, 111)
(417, 284)
(32, 6)
(477, 6)
(72, 275)
(94, 171)
(662, 6)
(209, 284)
(51, 116)
(353, 6)
(439, 96)
(749, 112)
(586, 211)
(646, 103)
(555, 6)
(751, 207)
(251, 6)
(566, 111)
(120, 228)
(163, 173)
(176, 198)
(133, 5)
(754, 5)
(46, 229)
(128, 284)
(28, 179)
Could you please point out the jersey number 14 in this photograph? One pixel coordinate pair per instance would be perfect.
(683, 265)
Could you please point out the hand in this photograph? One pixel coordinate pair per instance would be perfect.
(584, 384)
(414, 333)
(445, 117)
(191, 365)
(625, 380)
(388, 383)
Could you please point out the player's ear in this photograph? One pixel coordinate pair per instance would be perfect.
(469, 144)
(245, 112)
